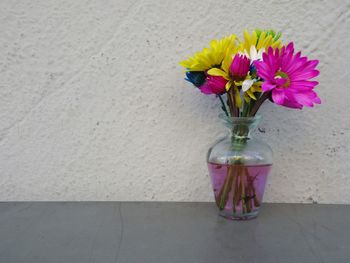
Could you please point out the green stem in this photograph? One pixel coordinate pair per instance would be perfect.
(234, 191)
(226, 189)
(243, 193)
(232, 103)
(246, 109)
(237, 192)
(259, 102)
(223, 105)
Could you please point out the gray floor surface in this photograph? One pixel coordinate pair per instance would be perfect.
(100, 232)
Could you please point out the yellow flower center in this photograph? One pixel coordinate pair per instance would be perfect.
(282, 75)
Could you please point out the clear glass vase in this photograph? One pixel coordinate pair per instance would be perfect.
(239, 165)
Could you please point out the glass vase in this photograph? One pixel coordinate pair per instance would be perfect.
(238, 166)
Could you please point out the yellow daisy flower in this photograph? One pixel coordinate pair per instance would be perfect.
(212, 56)
(257, 42)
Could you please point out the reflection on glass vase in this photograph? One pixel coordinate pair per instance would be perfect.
(239, 165)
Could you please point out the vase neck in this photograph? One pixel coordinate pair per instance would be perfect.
(240, 131)
(240, 127)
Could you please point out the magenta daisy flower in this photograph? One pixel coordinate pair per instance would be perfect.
(214, 85)
(287, 76)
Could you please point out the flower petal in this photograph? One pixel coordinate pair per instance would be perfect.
(253, 53)
(218, 72)
(280, 81)
(251, 94)
(205, 89)
(278, 96)
(247, 84)
(228, 85)
(305, 75)
(292, 104)
(266, 86)
(238, 99)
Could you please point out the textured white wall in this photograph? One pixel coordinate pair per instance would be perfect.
(93, 105)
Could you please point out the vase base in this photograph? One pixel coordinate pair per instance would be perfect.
(239, 217)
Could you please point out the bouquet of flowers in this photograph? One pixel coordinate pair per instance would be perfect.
(243, 74)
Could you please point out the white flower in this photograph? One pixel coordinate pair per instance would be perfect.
(247, 84)
(254, 54)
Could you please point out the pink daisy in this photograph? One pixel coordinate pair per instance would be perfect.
(287, 76)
